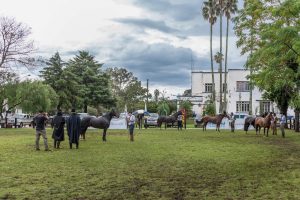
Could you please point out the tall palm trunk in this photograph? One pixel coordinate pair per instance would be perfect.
(225, 70)
(212, 68)
(220, 67)
(251, 85)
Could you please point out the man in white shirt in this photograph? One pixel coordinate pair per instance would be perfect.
(131, 122)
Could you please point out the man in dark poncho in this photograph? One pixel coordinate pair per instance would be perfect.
(58, 124)
(73, 128)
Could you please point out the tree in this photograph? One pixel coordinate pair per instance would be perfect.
(187, 106)
(209, 13)
(276, 58)
(156, 95)
(15, 47)
(52, 74)
(220, 12)
(187, 92)
(230, 8)
(127, 89)
(219, 58)
(95, 87)
(247, 29)
(36, 96)
(163, 108)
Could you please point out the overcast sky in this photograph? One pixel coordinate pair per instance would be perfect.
(154, 39)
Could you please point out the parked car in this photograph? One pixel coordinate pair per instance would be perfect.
(20, 120)
(151, 120)
(82, 115)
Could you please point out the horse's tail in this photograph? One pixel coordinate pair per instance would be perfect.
(201, 120)
(246, 125)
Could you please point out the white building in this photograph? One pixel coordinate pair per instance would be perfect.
(238, 94)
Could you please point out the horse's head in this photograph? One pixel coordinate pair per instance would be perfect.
(114, 113)
(226, 115)
(269, 116)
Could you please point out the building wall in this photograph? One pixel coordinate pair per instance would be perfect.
(233, 95)
(199, 79)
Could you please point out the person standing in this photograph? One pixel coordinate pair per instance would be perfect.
(274, 124)
(282, 124)
(58, 125)
(179, 121)
(131, 122)
(40, 121)
(73, 129)
(232, 122)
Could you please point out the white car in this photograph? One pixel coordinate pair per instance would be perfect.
(20, 120)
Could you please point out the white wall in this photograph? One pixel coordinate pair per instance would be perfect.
(199, 79)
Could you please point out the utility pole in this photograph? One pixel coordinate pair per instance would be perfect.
(147, 91)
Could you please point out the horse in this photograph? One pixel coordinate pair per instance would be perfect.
(213, 119)
(167, 119)
(102, 122)
(249, 121)
(263, 122)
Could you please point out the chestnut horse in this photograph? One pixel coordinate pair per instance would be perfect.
(264, 122)
(213, 119)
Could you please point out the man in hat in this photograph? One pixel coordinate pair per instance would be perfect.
(73, 128)
(58, 124)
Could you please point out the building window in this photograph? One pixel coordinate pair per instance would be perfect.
(265, 106)
(242, 106)
(208, 87)
(242, 86)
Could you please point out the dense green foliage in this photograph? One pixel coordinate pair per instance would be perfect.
(126, 88)
(270, 32)
(79, 83)
(159, 165)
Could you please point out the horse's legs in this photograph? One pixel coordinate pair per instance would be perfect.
(104, 135)
(256, 128)
(204, 126)
(267, 132)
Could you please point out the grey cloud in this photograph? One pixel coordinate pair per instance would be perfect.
(177, 17)
(162, 63)
(178, 10)
(147, 23)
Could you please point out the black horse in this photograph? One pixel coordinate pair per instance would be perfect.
(100, 122)
(167, 119)
(249, 121)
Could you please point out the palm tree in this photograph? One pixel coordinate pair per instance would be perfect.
(220, 8)
(230, 7)
(219, 58)
(209, 13)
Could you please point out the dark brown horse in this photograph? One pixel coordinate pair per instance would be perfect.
(264, 122)
(167, 119)
(249, 121)
(102, 122)
(213, 119)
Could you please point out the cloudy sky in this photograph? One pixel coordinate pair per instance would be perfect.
(154, 39)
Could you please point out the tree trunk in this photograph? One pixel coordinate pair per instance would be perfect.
(220, 67)
(225, 80)
(85, 108)
(297, 111)
(212, 69)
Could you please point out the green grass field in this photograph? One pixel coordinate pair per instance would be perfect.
(160, 164)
